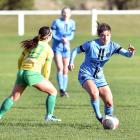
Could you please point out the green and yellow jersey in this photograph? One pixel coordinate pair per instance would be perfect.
(37, 59)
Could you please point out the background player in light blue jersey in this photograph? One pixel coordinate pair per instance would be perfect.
(91, 76)
(63, 32)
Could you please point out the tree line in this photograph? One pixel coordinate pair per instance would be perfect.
(29, 4)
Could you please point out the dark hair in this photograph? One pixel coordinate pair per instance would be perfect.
(32, 43)
(103, 27)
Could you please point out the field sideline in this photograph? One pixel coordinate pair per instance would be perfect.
(25, 121)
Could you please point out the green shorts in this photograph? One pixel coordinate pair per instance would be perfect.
(28, 78)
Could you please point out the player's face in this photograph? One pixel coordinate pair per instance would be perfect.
(49, 36)
(105, 37)
(66, 13)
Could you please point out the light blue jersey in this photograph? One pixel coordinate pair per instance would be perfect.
(62, 29)
(96, 55)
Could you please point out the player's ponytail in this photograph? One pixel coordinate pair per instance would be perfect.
(43, 33)
(27, 44)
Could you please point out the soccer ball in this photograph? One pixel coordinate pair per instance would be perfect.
(110, 122)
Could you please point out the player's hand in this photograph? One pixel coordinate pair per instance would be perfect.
(71, 67)
(131, 48)
(65, 40)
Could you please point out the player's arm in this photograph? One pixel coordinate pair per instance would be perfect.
(74, 52)
(82, 48)
(55, 36)
(47, 68)
(20, 59)
(128, 53)
(54, 30)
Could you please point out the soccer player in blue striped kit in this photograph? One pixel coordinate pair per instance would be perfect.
(63, 32)
(91, 76)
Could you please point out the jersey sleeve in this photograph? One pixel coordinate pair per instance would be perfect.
(47, 66)
(119, 50)
(116, 48)
(125, 52)
(54, 29)
(20, 59)
(84, 47)
(74, 52)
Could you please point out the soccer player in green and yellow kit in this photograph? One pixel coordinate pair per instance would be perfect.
(34, 67)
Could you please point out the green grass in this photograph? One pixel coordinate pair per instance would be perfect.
(25, 121)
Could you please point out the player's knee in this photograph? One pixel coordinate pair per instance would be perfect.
(109, 103)
(65, 71)
(94, 95)
(60, 69)
(15, 98)
(54, 92)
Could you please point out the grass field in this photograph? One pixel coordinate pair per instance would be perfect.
(25, 121)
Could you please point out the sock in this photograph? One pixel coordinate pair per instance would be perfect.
(6, 105)
(96, 107)
(60, 80)
(50, 104)
(108, 110)
(65, 82)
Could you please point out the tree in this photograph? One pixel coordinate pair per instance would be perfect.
(123, 4)
(16, 4)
